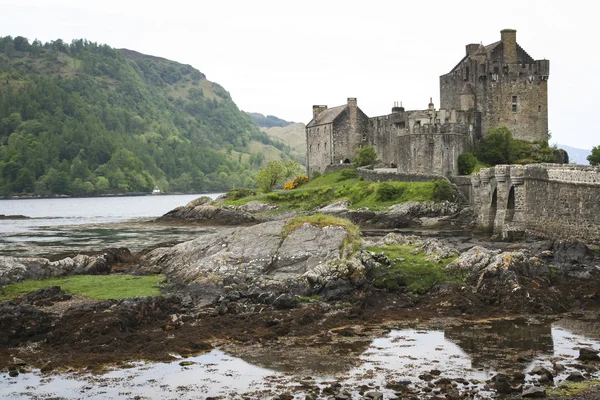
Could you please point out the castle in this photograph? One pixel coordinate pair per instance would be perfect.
(492, 86)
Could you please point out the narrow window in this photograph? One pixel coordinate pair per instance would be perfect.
(318, 146)
(310, 148)
(514, 104)
(325, 146)
(539, 108)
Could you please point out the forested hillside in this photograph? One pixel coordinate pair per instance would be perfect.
(84, 118)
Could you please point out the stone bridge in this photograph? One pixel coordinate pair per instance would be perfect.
(550, 200)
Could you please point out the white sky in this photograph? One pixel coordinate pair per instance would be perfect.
(280, 57)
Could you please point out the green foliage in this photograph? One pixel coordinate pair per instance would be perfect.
(349, 173)
(499, 147)
(102, 287)
(331, 187)
(443, 191)
(408, 271)
(388, 191)
(82, 115)
(236, 194)
(365, 156)
(496, 147)
(274, 173)
(316, 174)
(466, 163)
(594, 157)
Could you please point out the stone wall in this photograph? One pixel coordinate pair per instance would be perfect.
(550, 200)
(435, 154)
(318, 147)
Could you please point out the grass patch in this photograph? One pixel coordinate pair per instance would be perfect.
(102, 287)
(567, 389)
(309, 299)
(410, 271)
(343, 185)
(352, 240)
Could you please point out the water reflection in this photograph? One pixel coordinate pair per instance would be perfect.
(498, 343)
(474, 352)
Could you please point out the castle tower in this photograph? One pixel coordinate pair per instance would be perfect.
(504, 83)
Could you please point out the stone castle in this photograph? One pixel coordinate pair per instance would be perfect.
(492, 86)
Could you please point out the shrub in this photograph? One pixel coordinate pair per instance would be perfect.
(298, 181)
(235, 194)
(365, 156)
(350, 173)
(443, 191)
(316, 174)
(387, 191)
(466, 163)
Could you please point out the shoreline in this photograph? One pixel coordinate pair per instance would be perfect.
(64, 196)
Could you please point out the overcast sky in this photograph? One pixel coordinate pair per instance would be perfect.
(280, 57)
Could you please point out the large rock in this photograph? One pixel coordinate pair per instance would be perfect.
(199, 212)
(398, 216)
(15, 269)
(253, 259)
(513, 278)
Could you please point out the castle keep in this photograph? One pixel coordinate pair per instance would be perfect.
(492, 86)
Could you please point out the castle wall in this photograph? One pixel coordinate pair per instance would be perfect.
(318, 148)
(430, 153)
(551, 200)
(383, 132)
(350, 132)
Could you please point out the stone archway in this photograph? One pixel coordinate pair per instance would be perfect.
(510, 205)
(493, 209)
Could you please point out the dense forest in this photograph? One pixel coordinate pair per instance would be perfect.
(85, 119)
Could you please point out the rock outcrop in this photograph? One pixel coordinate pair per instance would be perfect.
(256, 259)
(16, 269)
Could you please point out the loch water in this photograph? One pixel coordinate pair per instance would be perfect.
(63, 225)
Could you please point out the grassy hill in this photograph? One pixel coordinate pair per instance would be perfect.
(84, 118)
(293, 136)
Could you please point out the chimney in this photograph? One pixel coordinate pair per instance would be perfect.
(318, 110)
(352, 102)
(472, 48)
(509, 41)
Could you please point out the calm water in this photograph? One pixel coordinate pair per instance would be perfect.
(63, 225)
(475, 352)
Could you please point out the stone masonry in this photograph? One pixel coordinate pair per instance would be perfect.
(550, 200)
(492, 86)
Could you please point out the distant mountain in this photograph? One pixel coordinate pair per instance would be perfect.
(83, 118)
(269, 121)
(293, 136)
(577, 156)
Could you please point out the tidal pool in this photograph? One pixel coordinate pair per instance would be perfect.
(376, 358)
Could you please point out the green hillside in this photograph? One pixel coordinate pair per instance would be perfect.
(84, 119)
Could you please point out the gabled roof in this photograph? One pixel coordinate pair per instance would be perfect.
(495, 52)
(327, 116)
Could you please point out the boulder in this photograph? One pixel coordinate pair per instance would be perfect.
(511, 278)
(534, 392)
(588, 354)
(257, 207)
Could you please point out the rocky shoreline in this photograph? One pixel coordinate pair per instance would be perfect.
(256, 281)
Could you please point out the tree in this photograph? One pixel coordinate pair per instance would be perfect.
(269, 176)
(291, 169)
(365, 156)
(594, 157)
(496, 147)
(466, 163)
